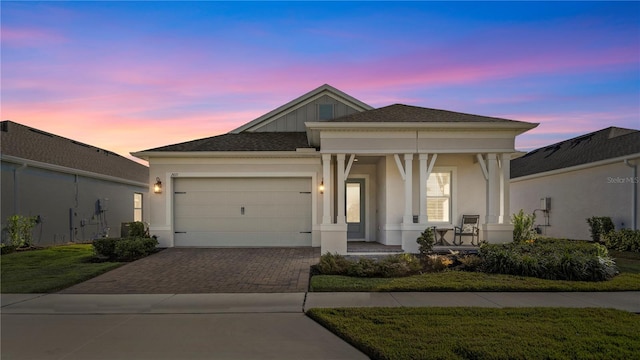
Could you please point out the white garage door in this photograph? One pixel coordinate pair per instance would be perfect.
(242, 212)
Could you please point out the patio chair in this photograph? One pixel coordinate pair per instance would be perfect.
(468, 227)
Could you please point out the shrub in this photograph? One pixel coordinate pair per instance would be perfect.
(523, 226)
(137, 229)
(470, 262)
(7, 249)
(549, 259)
(105, 247)
(437, 263)
(623, 240)
(426, 241)
(19, 229)
(599, 225)
(126, 249)
(134, 248)
(332, 264)
(397, 265)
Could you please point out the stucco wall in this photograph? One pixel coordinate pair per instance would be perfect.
(66, 203)
(577, 195)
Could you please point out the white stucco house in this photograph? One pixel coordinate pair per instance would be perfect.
(326, 168)
(595, 174)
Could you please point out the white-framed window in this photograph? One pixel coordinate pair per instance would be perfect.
(137, 207)
(325, 112)
(439, 189)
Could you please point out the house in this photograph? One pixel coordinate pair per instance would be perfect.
(326, 168)
(590, 175)
(78, 192)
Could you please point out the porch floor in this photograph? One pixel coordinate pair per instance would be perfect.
(371, 247)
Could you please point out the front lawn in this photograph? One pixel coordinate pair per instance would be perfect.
(50, 269)
(468, 281)
(485, 333)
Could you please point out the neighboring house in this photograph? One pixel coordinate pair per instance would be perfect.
(591, 175)
(77, 191)
(327, 168)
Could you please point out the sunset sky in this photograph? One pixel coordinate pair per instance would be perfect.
(129, 76)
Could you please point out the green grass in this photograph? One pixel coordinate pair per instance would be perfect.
(469, 281)
(628, 262)
(485, 333)
(50, 269)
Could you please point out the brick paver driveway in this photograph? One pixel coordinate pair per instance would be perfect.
(196, 270)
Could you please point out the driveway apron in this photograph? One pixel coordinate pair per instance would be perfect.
(204, 270)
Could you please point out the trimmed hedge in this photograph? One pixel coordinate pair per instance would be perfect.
(623, 240)
(551, 259)
(124, 249)
(397, 265)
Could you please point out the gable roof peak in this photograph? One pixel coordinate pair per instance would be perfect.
(301, 100)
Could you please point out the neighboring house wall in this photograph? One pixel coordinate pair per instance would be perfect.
(67, 203)
(604, 190)
(61, 181)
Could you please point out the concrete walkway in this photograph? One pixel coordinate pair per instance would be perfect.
(223, 326)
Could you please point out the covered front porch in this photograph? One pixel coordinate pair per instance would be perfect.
(380, 203)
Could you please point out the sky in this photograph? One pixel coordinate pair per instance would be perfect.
(130, 76)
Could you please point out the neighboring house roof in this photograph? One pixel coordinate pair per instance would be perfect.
(609, 143)
(246, 141)
(302, 100)
(407, 113)
(23, 142)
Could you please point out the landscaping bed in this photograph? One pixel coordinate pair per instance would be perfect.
(484, 333)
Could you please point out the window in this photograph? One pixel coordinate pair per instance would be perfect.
(137, 207)
(439, 196)
(325, 111)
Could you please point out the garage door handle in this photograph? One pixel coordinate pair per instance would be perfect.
(180, 232)
(305, 232)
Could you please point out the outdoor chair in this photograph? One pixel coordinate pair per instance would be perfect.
(468, 227)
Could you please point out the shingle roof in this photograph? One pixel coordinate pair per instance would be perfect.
(600, 145)
(245, 141)
(28, 143)
(408, 113)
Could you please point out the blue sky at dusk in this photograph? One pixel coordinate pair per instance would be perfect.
(128, 76)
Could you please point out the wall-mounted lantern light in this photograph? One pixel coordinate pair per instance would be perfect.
(321, 187)
(157, 187)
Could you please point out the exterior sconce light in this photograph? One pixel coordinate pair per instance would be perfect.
(321, 187)
(157, 187)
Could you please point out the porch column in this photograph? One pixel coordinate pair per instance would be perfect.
(408, 189)
(326, 196)
(340, 184)
(422, 214)
(505, 211)
(493, 190)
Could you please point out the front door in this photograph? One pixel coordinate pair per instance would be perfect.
(355, 209)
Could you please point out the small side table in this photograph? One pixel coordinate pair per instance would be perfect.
(441, 233)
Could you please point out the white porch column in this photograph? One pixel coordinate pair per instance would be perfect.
(326, 196)
(422, 214)
(340, 184)
(505, 211)
(408, 189)
(493, 190)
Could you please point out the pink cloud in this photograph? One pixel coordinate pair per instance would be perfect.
(30, 37)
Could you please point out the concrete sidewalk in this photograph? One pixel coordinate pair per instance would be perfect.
(299, 302)
(222, 326)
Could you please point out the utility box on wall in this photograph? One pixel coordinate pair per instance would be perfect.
(545, 204)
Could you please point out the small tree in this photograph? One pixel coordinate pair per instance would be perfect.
(599, 226)
(426, 241)
(19, 229)
(523, 226)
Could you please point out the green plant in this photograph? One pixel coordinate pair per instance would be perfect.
(599, 225)
(364, 267)
(399, 265)
(105, 247)
(19, 229)
(390, 266)
(470, 262)
(426, 241)
(552, 259)
(437, 262)
(623, 240)
(137, 229)
(523, 226)
(7, 249)
(332, 264)
(134, 248)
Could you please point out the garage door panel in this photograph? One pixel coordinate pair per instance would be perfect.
(242, 212)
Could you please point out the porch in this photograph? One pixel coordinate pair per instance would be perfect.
(373, 248)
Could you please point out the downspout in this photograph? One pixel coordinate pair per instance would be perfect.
(634, 194)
